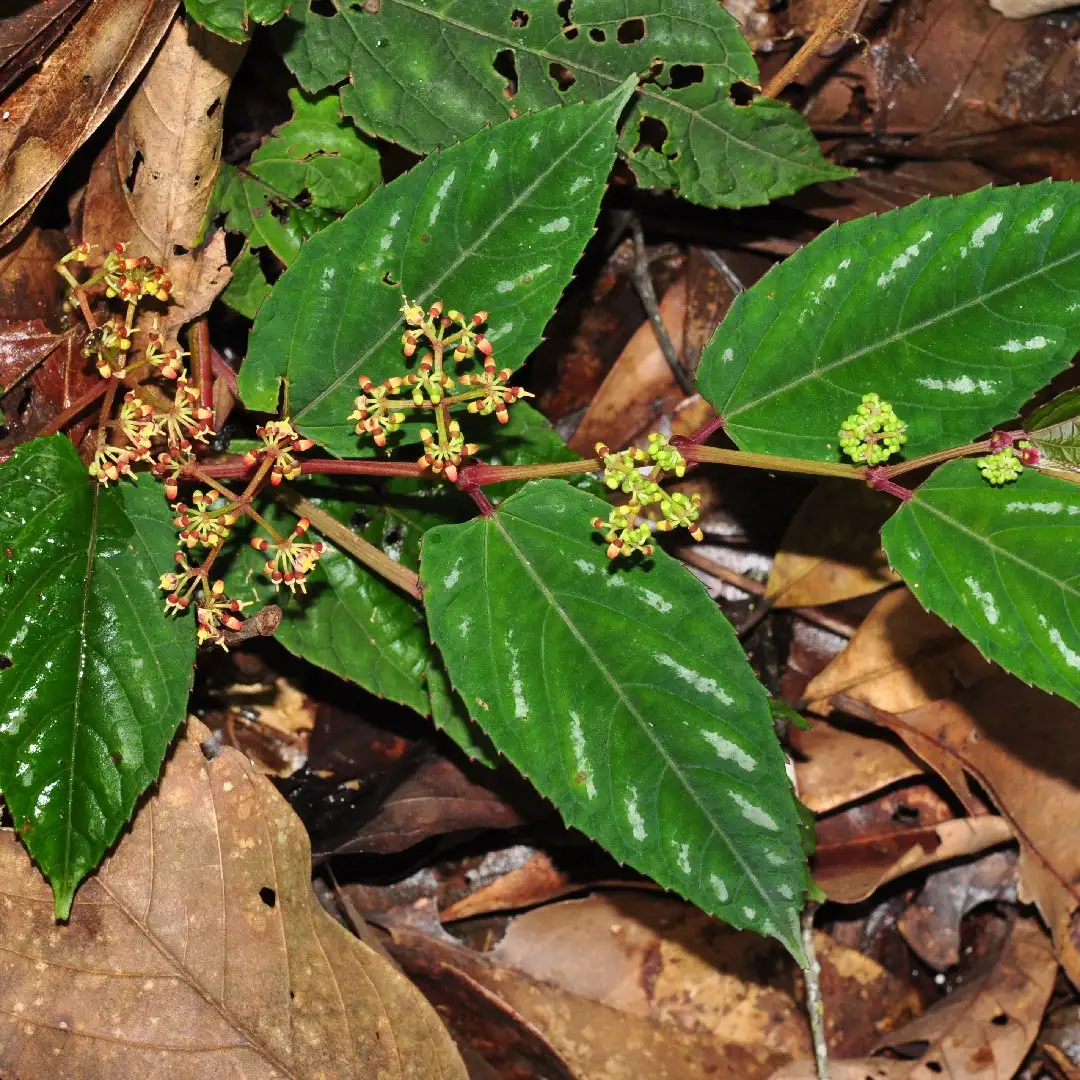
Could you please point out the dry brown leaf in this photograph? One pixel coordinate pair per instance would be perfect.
(151, 184)
(1020, 745)
(199, 950)
(24, 344)
(831, 549)
(931, 922)
(900, 658)
(53, 112)
(981, 1032)
(639, 385)
(835, 766)
(868, 844)
(656, 957)
(596, 1041)
(27, 35)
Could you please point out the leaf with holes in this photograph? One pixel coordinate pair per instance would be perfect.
(996, 564)
(954, 309)
(427, 75)
(623, 693)
(232, 19)
(311, 169)
(498, 222)
(1055, 430)
(95, 677)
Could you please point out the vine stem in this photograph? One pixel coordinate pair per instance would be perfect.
(204, 368)
(696, 452)
(815, 1005)
(62, 419)
(833, 21)
(345, 538)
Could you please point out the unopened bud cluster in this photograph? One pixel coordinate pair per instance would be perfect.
(626, 529)
(1007, 460)
(873, 433)
(436, 335)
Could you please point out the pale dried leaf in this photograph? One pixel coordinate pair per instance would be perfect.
(151, 184)
(901, 657)
(831, 550)
(199, 950)
(54, 111)
(835, 766)
(982, 1032)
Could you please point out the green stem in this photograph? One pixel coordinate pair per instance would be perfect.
(696, 452)
(480, 475)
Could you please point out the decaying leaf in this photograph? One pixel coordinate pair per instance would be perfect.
(861, 848)
(931, 923)
(27, 36)
(900, 658)
(151, 184)
(596, 1041)
(53, 112)
(23, 345)
(1020, 745)
(198, 950)
(831, 550)
(835, 766)
(982, 1032)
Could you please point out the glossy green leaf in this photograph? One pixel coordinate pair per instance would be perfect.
(94, 678)
(428, 74)
(1054, 428)
(351, 621)
(955, 310)
(498, 222)
(233, 19)
(622, 692)
(248, 287)
(999, 564)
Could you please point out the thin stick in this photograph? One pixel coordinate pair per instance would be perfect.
(643, 284)
(719, 263)
(815, 1006)
(832, 22)
(237, 470)
(356, 546)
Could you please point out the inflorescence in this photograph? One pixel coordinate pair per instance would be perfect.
(873, 432)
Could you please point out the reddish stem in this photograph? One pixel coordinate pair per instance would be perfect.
(877, 479)
(222, 370)
(204, 378)
(62, 419)
(321, 467)
(705, 431)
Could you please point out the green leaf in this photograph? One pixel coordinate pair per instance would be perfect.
(996, 564)
(424, 75)
(248, 287)
(497, 222)
(232, 19)
(623, 693)
(351, 621)
(1055, 430)
(954, 310)
(95, 677)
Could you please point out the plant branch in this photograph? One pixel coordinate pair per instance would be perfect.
(347, 540)
(236, 470)
(902, 467)
(200, 349)
(828, 26)
(696, 452)
(62, 419)
(480, 475)
(643, 284)
(815, 1005)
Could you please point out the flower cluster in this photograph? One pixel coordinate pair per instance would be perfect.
(1007, 460)
(437, 335)
(280, 445)
(626, 530)
(872, 433)
(293, 559)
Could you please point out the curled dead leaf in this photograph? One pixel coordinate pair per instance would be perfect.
(199, 950)
(54, 111)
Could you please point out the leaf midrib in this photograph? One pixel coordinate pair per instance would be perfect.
(452, 267)
(892, 338)
(631, 709)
